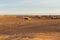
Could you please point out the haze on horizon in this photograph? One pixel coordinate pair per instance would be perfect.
(29, 7)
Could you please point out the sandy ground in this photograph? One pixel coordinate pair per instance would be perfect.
(32, 36)
(12, 28)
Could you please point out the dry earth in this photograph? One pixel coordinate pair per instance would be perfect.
(16, 28)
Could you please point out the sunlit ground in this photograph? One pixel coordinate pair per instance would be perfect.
(32, 36)
(12, 28)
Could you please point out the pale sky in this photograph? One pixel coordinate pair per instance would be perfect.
(38, 7)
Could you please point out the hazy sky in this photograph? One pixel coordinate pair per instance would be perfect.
(29, 7)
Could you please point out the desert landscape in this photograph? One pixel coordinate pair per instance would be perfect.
(27, 27)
